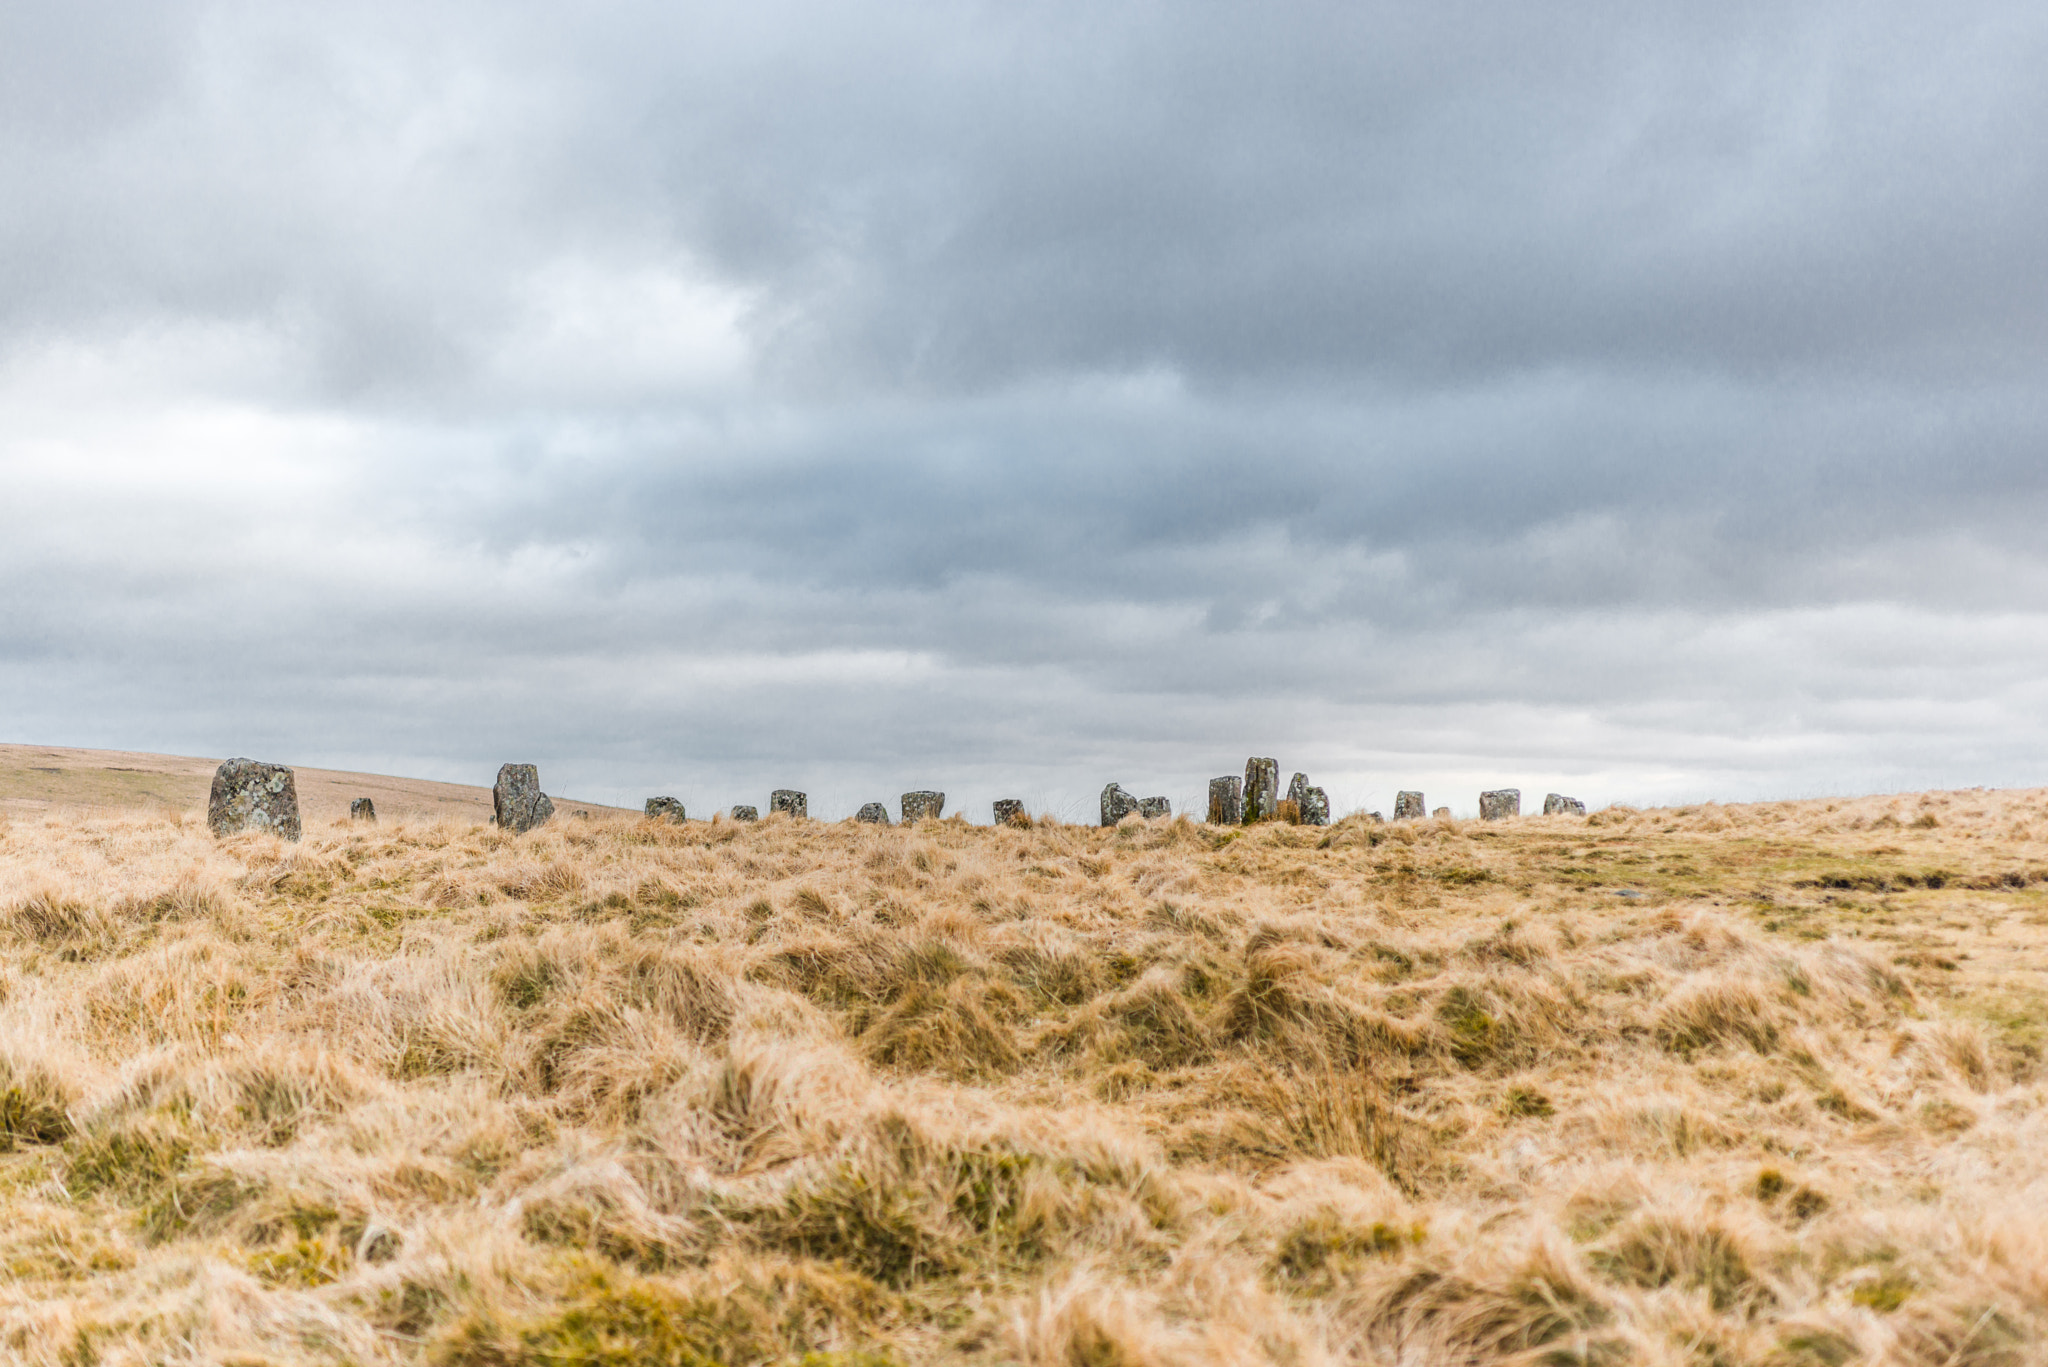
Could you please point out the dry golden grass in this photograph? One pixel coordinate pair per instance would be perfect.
(618, 1092)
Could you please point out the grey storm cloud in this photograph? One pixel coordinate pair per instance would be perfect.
(1644, 396)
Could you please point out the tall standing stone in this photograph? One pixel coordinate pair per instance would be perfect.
(1556, 804)
(249, 795)
(1261, 789)
(1226, 801)
(1116, 804)
(1409, 807)
(745, 814)
(517, 803)
(922, 805)
(362, 809)
(790, 802)
(1009, 811)
(1500, 804)
(665, 809)
(1153, 807)
(874, 813)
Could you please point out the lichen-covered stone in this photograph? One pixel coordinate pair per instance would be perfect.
(1116, 804)
(1261, 789)
(1556, 804)
(922, 805)
(1314, 805)
(745, 814)
(362, 809)
(1009, 811)
(1500, 804)
(1442, 814)
(665, 809)
(1153, 807)
(249, 795)
(517, 803)
(1409, 806)
(789, 802)
(1226, 801)
(874, 813)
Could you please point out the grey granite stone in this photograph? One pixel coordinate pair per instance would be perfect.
(874, 813)
(665, 809)
(745, 814)
(1409, 806)
(790, 802)
(1116, 804)
(1314, 805)
(517, 803)
(1261, 789)
(1556, 804)
(1442, 814)
(1152, 807)
(249, 795)
(1009, 811)
(922, 805)
(1226, 801)
(1500, 804)
(362, 809)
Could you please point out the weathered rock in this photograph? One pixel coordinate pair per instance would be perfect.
(922, 805)
(1009, 811)
(1409, 806)
(249, 795)
(745, 814)
(874, 813)
(1314, 805)
(1555, 804)
(517, 803)
(665, 809)
(1500, 804)
(1261, 789)
(1151, 807)
(1442, 814)
(1116, 804)
(789, 801)
(1226, 801)
(362, 809)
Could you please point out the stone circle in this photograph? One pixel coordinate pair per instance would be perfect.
(922, 805)
(249, 795)
(1556, 804)
(1009, 811)
(790, 802)
(874, 813)
(665, 809)
(517, 803)
(1226, 801)
(745, 814)
(1408, 806)
(1261, 789)
(1116, 804)
(1500, 804)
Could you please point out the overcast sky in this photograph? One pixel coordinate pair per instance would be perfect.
(1638, 401)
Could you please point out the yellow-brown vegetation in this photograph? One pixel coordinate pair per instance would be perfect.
(1717, 1085)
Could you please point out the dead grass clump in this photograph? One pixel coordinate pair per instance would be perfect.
(73, 928)
(1659, 1251)
(35, 1103)
(961, 1030)
(1322, 1112)
(1532, 1303)
(1715, 1013)
(1149, 1021)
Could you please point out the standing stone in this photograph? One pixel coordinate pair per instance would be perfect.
(745, 814)
(1151, 807)
(1226, 801)
(1009, 811)
(1116, 804)
(1409, 807)
(789, 801)
(923, 805)
(249, 795)
(1442, 814)
(1261, 789)
(1314, 805)
(1500, 804)
(517, 803)
(362, 809)
(1555, 804)
(874, 813)
(665, 809)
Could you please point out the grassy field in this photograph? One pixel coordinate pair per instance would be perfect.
(1718, 1085)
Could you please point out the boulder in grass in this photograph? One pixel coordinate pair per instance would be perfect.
(1409, 807)
(1226, 801)
(1314, 805)
(1151, 808)
(249, 795)
(517, 803)
(1442, 814)
(874, 813)
(665, 809)
(1556, 804)
(1009, 811)
(1261, 789)
(362, 809)
(922, 805)
(1500, 804)
(790, 802)
(745, 814)
(1116, 804)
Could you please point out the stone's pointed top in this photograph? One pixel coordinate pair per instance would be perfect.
(1500, 804)
(745, 814)
(1116, 804)
(1409, 807)
(517, 803)
(1556, 804)
(874, 813)
(249, 795)
(922, 805)
(666, 809)
(1010, 812)
(1226, 801)
(362, 809)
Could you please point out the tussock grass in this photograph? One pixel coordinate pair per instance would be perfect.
(623, 1092)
